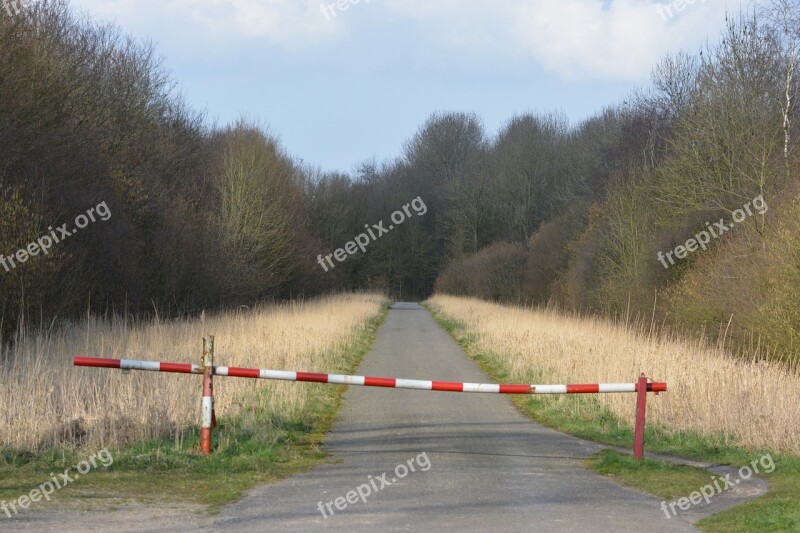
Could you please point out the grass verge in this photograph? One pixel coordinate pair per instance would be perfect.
(668, 481)
(257, 447)
(583, 416)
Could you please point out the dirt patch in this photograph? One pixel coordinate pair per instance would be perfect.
(117, 516)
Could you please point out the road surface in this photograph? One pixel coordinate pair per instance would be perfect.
(486, 466)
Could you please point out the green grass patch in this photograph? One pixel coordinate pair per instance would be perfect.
(253, 448)
(668, 481)
(584, 416)
(779, 510)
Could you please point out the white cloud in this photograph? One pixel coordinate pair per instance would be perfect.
(583, 39)
(576, 39)
(286, 22)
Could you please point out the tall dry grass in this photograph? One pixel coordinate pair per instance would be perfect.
(45, 401)
(757, 403)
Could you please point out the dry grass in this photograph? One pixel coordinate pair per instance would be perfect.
(45, 401)
(757, 403)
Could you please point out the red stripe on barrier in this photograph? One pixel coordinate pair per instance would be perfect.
(583, 389)
(505, 388)
(448, 386)
(380, 382)
(235, 372)
(178, 368)
(657, 387)
(96, 362)
(313, 378)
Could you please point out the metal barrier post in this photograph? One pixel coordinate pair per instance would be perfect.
(641, 409)
(208, 395)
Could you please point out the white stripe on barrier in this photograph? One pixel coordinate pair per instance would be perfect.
(551, 389)
(340, 379)
(617, 387)
(413, 384)
(208, 408)
(283, 375)
(481, 387)
(132, 364)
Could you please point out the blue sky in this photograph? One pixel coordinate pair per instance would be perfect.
(343, 86)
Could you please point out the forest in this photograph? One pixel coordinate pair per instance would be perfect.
(543, 212)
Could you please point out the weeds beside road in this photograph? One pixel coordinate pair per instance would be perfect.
(718, 410)
(754, 404)
(266, 430)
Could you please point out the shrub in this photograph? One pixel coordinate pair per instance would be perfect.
(494, 273)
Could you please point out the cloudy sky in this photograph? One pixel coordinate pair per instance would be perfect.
(340, 86)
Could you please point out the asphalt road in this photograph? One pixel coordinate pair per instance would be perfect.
(478, 464)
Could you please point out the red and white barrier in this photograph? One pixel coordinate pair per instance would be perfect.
(208, 370)
(208, 395)
(368, 381)
(444, 386)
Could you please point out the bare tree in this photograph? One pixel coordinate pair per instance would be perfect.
(451, 150)
(675, 79)
(783, 19)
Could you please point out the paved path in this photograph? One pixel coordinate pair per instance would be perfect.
(487, 467)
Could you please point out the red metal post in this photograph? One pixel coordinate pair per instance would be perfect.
(641, 409)
(208, 395)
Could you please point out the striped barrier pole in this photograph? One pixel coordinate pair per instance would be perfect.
(368, 381)
(208, 394)
(208, 370)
